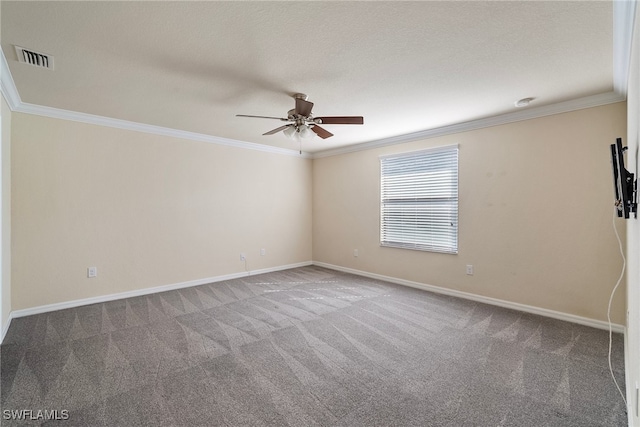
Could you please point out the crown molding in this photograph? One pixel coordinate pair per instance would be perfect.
(527, 114)
(7, 85)
(624, 12)
(623, 17)
(57, 113)
(623, 24)
(15, 103)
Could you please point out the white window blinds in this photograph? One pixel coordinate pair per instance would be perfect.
(419, 200)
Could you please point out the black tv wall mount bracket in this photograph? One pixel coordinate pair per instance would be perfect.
(625, 184)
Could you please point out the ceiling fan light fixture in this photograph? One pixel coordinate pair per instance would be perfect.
(299, 132)
(290, 132)
(306, 132)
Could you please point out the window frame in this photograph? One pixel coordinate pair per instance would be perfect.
(435, 211)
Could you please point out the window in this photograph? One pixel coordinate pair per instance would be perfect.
(419, 200)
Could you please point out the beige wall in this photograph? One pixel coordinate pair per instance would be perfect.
(535, 214)
(5, 201)
(633, 234)
(146, 210)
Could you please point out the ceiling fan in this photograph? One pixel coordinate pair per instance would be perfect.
(302, 124)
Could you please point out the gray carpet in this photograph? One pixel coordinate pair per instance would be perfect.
(304, 347)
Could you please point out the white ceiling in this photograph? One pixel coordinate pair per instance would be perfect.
(405, 66)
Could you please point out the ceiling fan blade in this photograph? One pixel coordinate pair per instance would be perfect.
(271, 132)
(321, 132)
(262, 117)
(303, 107)
(341, 120)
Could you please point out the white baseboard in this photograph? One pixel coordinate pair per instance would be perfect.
(599, 324)
(5, 328)
(139, 292)
(465, 295)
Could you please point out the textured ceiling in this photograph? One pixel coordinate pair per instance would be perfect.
(404, 66)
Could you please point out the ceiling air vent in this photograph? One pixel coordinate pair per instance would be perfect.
(37, 59)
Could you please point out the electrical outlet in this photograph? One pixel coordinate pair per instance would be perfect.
(92, 272)
(243, 257)
(263, 252)
(470, 269)
(355, 253)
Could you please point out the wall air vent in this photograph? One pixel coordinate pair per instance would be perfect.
(36, 59)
